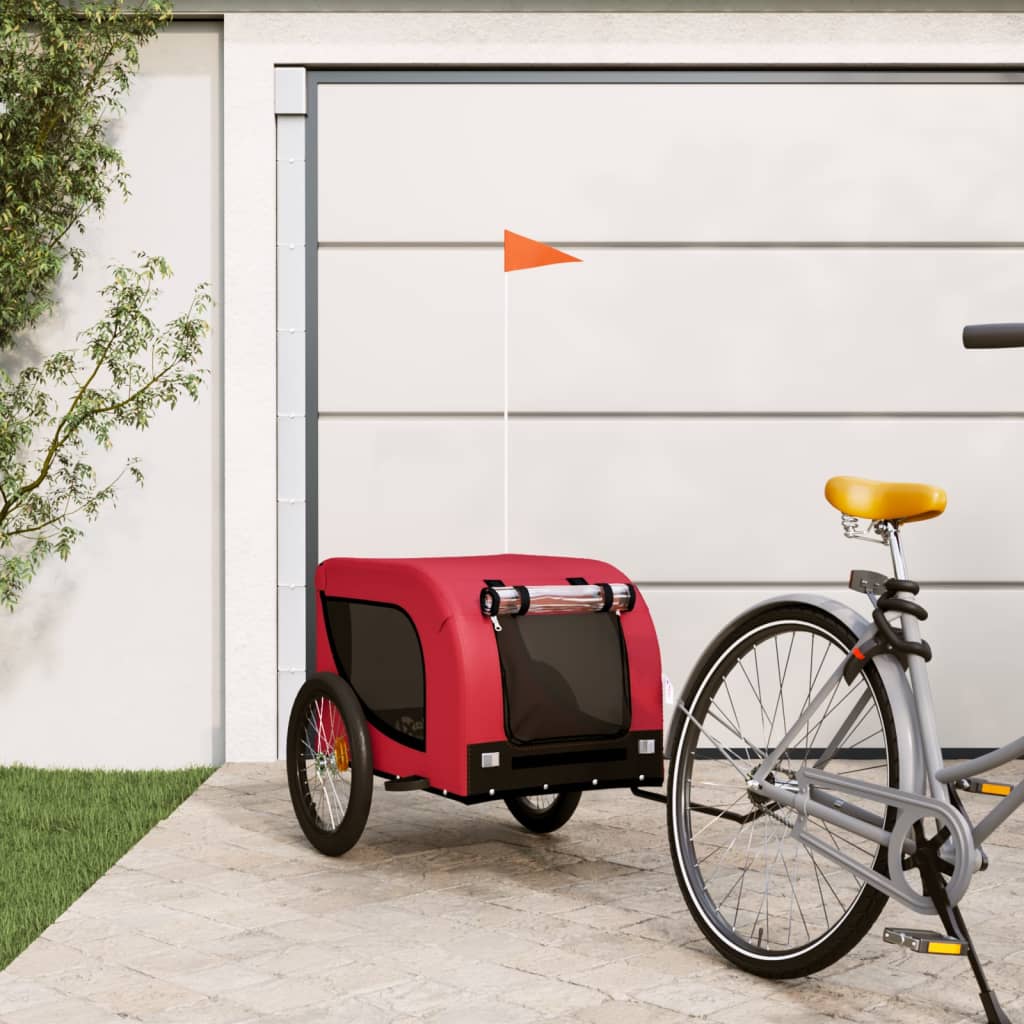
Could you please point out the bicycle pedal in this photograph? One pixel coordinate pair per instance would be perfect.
(919, 941)
(984, 786)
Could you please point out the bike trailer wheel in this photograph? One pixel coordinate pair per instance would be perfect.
(330, 766)
(544, 812)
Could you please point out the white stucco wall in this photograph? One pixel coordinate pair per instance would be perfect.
(115, 658)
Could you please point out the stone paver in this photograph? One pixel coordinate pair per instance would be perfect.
(224, 914)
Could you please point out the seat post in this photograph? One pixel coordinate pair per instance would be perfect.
(892, 535)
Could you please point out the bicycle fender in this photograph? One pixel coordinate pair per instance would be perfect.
(894, 679)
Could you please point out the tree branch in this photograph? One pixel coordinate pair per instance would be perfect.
(57, 441)
(66, 513)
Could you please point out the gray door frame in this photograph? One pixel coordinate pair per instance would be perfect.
(296, 107)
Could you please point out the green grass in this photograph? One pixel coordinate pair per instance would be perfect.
(61, 830)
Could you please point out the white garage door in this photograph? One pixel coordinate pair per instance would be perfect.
(775, 276)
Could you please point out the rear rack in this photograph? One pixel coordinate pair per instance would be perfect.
(562, 600)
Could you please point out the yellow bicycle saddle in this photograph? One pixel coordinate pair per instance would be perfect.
(873, 499)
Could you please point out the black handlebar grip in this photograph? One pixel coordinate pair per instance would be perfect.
(994, 336)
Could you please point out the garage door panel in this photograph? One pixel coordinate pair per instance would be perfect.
(741, 499)
(771, 271)
(765, 330)
(804, 162)
(404, 487)
(635, 329)
(410, 329)
(973, 633)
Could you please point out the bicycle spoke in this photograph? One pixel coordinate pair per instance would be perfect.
(849, 842)
(718, 849)
(795, 901)
(743, 876)
(857, 715)
(757, 694)
(732, 704)
(812, 678)
(780, 704)
(866, 768)
(818, 878)
(729, 759)
(326, 785)
(718, 817)
(739, 735)
(830, 710)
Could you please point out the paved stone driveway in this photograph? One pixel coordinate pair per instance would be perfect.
(223, 915)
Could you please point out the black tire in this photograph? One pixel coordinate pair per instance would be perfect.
(708, 849)
(330, 766)
(543, 812)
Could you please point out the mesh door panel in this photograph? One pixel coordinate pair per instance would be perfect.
(565, 677)
(377, 650)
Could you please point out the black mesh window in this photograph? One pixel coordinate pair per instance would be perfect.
(565, 677)
(377, 650)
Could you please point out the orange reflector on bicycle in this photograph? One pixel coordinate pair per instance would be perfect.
(995, 789)
(341, 758)
(945, 948)
(858, 653)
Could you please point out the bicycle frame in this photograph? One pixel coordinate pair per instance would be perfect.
(925, 783)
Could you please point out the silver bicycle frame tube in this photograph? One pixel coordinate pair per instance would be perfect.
(994, 759)
(939, 776)
(986, 762)
(920, 684)
(999, 813)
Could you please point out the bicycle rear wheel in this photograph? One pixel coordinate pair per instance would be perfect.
(768, 903)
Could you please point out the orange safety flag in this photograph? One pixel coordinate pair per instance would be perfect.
(522, 253)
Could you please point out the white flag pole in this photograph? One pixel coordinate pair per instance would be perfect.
(505, 411)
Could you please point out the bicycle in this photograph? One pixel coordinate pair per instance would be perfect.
(789, 832)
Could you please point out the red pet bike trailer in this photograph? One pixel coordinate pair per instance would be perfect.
(515, 677)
